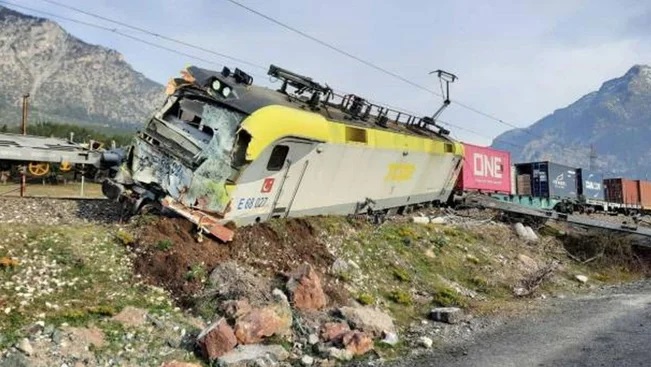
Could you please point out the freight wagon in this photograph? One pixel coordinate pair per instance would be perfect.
(485, 170)
(548, 185)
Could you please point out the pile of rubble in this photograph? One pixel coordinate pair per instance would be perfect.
(243, 328)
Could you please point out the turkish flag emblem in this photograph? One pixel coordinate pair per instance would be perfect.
(267, 185)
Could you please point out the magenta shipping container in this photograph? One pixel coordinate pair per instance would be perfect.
(485, 170)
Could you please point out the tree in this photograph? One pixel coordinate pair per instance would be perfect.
(4, 129)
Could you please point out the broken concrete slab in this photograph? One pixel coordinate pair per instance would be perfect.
(450, 315)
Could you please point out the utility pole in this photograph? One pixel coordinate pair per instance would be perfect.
(24, 130)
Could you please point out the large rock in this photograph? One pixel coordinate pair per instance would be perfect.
(305, 289)
(340, 354)
(451, 315)
(217, 339)
(357, 342)
(230, 280)
(582, 278)
(334, 331)
(368, 319)
(245, 355)
(525, 232)
(234, 309)
(263, 322)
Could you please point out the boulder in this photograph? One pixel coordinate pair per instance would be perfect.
(305, 289)
(235, 309)
(420, 220)
(334, 331)
(25, 346)
(368, 319)
(307, 361)
(245, 355)
(312, 339)
(582, 278)
(451, 315)
(390, 339)
(425, 342)
(263, 322)
(524, 233)
(217, 339)
(357, 342)
(533, 237)
(340, 354)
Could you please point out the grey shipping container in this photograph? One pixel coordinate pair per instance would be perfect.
(590, 184)
(550, 180)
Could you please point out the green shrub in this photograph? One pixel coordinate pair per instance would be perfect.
(401, 297)
(125, 238)
(446, 297)
(165, 244)
(401, 274)
(366, 299)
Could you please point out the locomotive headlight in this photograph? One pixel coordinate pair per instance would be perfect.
(216, 85)
(226, 92)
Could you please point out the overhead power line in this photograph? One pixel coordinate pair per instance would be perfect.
(155, 34)
(363, 61)
(113, 30)
(381, 69)
(190, 45)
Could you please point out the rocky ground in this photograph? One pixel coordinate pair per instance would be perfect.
(79, 288)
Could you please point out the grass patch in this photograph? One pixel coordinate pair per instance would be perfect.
(84, 276)
(401, 297)
(446, 297)
(366, 299)
(125, 237)
(164, 245)
(197, 272)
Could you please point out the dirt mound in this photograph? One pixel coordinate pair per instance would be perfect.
(170, 256)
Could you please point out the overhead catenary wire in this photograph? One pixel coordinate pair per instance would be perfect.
(155, 34)
(232, 58)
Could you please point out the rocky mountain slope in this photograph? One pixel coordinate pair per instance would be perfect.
(68, 80)
(616, 120)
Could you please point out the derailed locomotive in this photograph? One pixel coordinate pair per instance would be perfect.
(222, 150)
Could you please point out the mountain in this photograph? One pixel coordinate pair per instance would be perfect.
(615, 120)
(68, 80)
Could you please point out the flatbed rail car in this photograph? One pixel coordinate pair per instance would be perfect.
(39, 154)
(222, 150)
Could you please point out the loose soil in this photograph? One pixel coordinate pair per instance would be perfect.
(271, 249)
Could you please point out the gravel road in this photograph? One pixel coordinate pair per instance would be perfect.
(611, 328)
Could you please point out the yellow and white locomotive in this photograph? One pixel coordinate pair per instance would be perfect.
(223, 150)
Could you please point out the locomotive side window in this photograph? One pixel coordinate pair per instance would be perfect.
(277, 159)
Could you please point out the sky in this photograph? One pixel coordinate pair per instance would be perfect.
(516, 61)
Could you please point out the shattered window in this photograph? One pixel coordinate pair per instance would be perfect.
(208, 183)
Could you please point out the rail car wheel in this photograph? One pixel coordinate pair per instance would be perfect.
(65, 166)
(39, 168)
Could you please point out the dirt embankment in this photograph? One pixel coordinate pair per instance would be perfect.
(170, 255)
